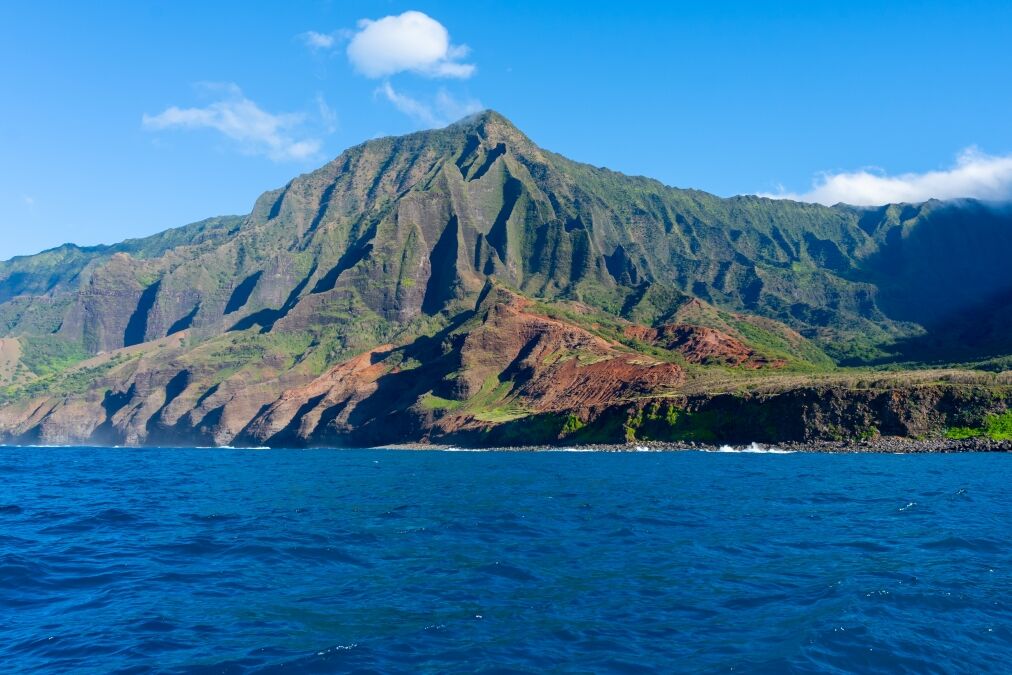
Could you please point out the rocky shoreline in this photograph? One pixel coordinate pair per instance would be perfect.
(889, 444)
(883, 444)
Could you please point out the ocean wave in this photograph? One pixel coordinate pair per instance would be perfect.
(572, 559)
(754, 448)
(239, 447)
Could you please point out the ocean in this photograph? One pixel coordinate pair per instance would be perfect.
(320, 561)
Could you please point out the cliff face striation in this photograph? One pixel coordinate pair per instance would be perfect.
(465, 285)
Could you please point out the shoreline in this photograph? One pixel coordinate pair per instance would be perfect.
(890, 445)
(884, 445)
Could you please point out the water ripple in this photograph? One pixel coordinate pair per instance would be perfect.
(225, 561)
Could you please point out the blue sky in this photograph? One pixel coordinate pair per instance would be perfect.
(127, 118)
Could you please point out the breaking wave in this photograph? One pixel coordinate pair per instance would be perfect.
(755, 448)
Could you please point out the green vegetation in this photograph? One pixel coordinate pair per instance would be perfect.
(997, 427)
(572, 425)
(73, 381)
(869, 434)
(800, 353)
(492, 404)
(962, 433)
(430, 401)
(667, 422)
(836, 274)
(46, 355)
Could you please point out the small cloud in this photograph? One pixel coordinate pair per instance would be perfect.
(443, 110)
(315, 40)
(327, 114)
(323, 41)
(29, 200)
(409, 42)
(452, 109)
(975, 175)
(254, 130)
(409, 106)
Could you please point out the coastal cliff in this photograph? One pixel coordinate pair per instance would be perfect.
(465, 286)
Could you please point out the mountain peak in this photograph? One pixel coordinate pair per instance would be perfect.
(515, 284)
(483, 118)
(492, 127)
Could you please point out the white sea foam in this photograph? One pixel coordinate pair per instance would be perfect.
(752, 448)
(530, 449)
(755, 448)
(233, 447)
(667, 448)
(337, 648)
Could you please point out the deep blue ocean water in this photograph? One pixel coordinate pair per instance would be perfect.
(392, 561)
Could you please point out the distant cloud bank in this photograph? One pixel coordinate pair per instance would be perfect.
(253, 129)
(975, 175)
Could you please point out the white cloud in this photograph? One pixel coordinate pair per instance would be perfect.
(29, 200)
(409, 106)
(315, 40)
(410, 42)
(440, 112)
(243, 121)
(453, 109)
(323, 41)
(975, 175)
(327, 114)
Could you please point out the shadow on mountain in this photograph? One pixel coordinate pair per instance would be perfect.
(384, 416)
(942, 259)
(112, 403)
(266, 318)
(353, 256)
(289, 435)
(439, 289)
(137, 325)
(979, 332)
(240, 296)
(183, 323)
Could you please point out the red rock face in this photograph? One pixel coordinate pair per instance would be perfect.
(703, 345)
(570, 386)
(556, 365)
(508, 359)
(296, 415)
(511, 357)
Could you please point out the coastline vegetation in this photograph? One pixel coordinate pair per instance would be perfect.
(997, 427)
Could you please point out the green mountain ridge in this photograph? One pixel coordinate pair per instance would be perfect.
(397, 240)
